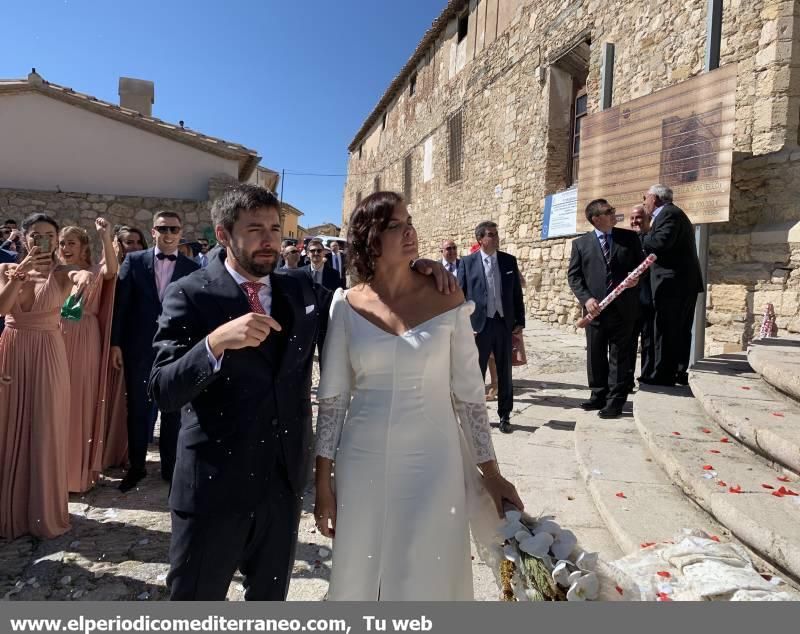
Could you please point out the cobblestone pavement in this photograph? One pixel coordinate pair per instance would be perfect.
(118, 545)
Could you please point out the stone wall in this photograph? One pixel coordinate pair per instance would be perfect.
(513, 141)
(81, 209)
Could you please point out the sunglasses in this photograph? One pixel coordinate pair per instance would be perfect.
(315, 250)
(449, 248)
(163, 230)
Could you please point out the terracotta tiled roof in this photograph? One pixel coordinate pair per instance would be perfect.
(453, 8)
(291, 209)
(247, 158)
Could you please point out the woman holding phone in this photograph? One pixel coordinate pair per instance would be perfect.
(87, 342)
(33, 433)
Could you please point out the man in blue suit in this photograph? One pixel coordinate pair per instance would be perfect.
(491, 279)
(142, 282)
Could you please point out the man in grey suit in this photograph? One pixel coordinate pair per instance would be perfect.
(491, 279)
(676, 281)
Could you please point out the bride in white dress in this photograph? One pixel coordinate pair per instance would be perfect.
(399, 363)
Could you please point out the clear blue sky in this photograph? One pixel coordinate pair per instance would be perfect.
(293, 80)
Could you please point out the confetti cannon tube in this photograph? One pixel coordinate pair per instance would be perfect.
(623, 286)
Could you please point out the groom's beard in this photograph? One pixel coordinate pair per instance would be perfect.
(249, 264)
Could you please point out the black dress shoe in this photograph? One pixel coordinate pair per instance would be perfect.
(131, 479)
(682, 378)
(593, 404)
(656, 381)
(610, 411)
(505, 425)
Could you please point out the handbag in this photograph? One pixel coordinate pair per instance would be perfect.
(518, 350)
(72, 308)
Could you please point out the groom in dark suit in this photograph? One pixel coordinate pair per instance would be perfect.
(600, 260)
(142, 282)
(234, 350)
(491, 279)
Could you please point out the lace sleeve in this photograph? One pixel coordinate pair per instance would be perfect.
(330, 419)
(475, 423)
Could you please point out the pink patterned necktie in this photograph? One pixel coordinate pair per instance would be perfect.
(251, 290)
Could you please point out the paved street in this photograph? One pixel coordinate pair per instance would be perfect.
(117, 548)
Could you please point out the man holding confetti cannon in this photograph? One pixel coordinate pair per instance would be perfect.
(599, 277)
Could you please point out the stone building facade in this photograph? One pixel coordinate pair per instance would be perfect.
(479, 124)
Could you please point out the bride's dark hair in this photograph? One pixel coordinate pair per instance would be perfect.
(370, 218)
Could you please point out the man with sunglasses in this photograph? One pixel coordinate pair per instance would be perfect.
(142, 282)
(450, 257)
(291, 257)
(600, 260)
(325, 281)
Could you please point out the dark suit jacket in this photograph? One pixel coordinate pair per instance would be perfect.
(472, 280)
(137, 307)
(256, 410)
(587, 268)
(671, 238)
(330, 278)
(329, 263)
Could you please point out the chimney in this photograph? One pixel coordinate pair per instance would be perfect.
(137, 94)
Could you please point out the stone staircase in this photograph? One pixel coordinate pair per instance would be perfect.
(721, 456)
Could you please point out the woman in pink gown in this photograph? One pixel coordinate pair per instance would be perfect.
(33, 362)
(87, 343)
(115, 449)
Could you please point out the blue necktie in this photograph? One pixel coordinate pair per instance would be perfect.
(607, 256)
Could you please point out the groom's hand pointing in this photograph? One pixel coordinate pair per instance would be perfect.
(247, 331)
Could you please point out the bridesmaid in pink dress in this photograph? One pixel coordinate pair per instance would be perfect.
(87, 342)
(33, 362)
(115, 450)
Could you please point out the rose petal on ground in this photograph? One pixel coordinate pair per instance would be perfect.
(707, 467)
(724, 439)
(767, 486)
(778, 414)
(647, 544)
(735, 489)
(676, 433)
(706, 430)
(664, 573)
(714, 451)
(777, 494)
(784, 479)
(663, 596)
(620, 494)
(722, 483)
(714, 538)
(618, 589)
(745, 387)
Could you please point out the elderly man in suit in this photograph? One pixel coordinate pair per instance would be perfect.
(234, 350)
(141, 285)
(676, 280)
(450, 259)
(491, 279)
(600, 260)
(338, 262)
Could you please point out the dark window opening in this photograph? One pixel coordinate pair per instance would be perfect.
(383, 121)
(407, 167)
(463, 26)
(455, 147)
(412, 85)
(360, 150)
(579, 111)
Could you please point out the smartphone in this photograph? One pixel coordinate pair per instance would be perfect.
(43, 242)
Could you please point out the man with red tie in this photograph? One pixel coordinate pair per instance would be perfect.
(142, 282)
(234, 349)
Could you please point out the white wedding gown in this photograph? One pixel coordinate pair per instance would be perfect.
(403, 467)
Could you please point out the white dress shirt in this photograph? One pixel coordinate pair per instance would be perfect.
(163, 270)
(316, 273)
(447, 264)
(657, 211)
(264, 296)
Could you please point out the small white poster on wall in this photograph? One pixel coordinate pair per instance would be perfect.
(427, 160)
(560, 214)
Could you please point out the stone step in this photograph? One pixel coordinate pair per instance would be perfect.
(777, 360)
(737, 399)
(614, 462)
(724, 478)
